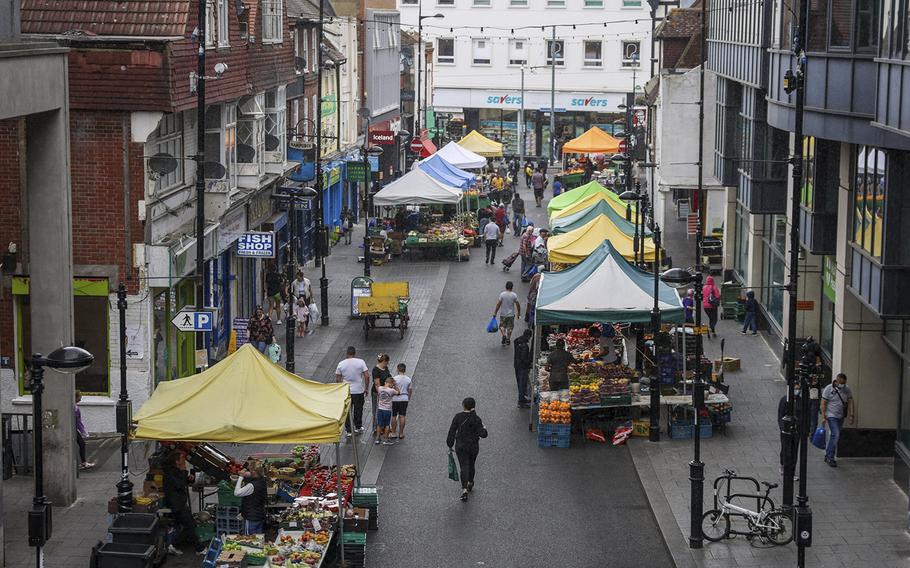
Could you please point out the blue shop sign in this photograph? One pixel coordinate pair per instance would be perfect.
(256, 244)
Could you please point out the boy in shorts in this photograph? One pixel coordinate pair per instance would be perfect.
(400, 401)
(384, 410)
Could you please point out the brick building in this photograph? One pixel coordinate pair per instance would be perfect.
(129, 77)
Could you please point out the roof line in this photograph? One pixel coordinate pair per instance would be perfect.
(102, 38)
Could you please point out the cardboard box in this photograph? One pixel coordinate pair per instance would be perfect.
(729, 364)
(641, 428)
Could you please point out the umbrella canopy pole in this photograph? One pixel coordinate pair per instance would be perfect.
(354, 446)
(340, 502)
(538, 330)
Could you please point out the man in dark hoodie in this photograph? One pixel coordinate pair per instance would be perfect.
(464, 434)
(751, 319)
(523, 360)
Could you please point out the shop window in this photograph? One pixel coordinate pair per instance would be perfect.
(773, 281)
(168, 139)
(482, 51)
(272, 18)
(445, 50)
(556, 51)
(518, 52)
(869, 197)
(741, 245)
(631, 53)
(593, 53)
(223, 23)
(91, 331)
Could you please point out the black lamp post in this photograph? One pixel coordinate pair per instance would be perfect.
(124, 412)
(367, 151)
(292, 194)
(680, 278)
(630, 197)
(403, 137)
(420, 55)
(69, 360)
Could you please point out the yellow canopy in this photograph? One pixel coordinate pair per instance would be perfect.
(244, 398)
(594, 141)
(574, 246)
(617, 204)
(480, 144)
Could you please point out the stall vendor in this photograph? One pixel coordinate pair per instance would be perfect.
(177, 499)
(253, 497)
(604, 334)
(558, 365)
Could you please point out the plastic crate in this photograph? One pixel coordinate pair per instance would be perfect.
(227, 520)
(205, 532)
(226, 497)
(118, 555)
(554, 435)
(616, 399)
(135, 528)
(227, 512)
(684, 431)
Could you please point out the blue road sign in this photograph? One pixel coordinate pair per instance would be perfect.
(187, 320)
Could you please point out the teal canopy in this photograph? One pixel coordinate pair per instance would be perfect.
(575, 220)
(603, 288)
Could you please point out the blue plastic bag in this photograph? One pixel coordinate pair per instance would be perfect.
(818, 438)
(493, 326)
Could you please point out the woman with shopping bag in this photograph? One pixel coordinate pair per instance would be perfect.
(464, 435)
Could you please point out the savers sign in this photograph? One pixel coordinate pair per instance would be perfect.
(256, 244)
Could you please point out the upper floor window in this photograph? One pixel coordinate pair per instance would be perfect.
(409, 2)
(518, 3)
(168, 139)
(221, 142)
(482, 3)
(482, 52)
(631, 53)
(843, 25)
(445, 2)
(223, 23)
(869, 200)
(556, 52)
(445, 50)
(518, 52)
(275, 125)
(593, 54)
(272, 18)
(210, 23)
(631, 3)
(556, 3)
(594, 3)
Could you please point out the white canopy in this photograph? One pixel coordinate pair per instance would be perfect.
(416, 187)
(461, 157)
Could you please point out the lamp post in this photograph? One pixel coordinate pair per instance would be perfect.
(321, 237)
(69, 360)
(679, 278)
(124, 486)
(403, 137)
(292, 195)
(368, 202)
(420, 55)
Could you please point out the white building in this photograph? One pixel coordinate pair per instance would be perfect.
(602, 50)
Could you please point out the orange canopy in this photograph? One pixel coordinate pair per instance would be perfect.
(594, 141)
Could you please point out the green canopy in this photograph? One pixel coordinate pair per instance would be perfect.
(575, 220)
(603, 288)
(567, 198)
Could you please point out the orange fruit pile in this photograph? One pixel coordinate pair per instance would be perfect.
(555, 413)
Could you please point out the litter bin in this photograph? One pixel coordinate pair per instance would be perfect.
(117, 555)
(140, 529)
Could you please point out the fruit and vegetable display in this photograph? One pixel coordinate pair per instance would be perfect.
(555, 412)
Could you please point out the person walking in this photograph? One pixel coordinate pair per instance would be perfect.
(508, 309)
(347, 224)
(750, 321)
(260, 330)
(557, 187)
(355, 373)
(522, 362)
(518, 214)
(538, 182)
(465, 433)
(386, 392)
(710, 301)
(253, 495)
(501, 218)
(405, 386)
(689, 305)
(379, 374)
(491, 234)
(526, 248)
(529, 172)
(837, 404)
(81, 434)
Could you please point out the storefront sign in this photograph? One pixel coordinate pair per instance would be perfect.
(355, 171)
(135, 342)
(232, 225)
(382, 137)
(532, 100)
(331, 177)
(256, 244)
(829, 278)
(805, 305)
(241, 328)
(329, 105)
(260, 208)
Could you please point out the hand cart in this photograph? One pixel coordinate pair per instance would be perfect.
(389, 301)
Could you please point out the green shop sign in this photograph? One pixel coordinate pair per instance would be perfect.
(329, 105)
(355, 171)
(331, 177)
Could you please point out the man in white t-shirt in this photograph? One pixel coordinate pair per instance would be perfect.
(491, 234)
(355, 373)
(405, 387)
(508, 309)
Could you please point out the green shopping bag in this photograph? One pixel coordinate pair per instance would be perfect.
(453, 467)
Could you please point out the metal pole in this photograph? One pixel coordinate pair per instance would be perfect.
(367, 259)
(340, 504)
(124, 486)
(635, 239)
(419, 56)
(521, 126)
(200, 170)
(322, 240)
(553, 97)
(40, 504)
(654, 413)
(291, 319)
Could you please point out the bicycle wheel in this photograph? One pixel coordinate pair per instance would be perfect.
(715, 525)
(780, 528)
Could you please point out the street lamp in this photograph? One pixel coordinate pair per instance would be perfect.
(68, 360)
(293, 194)
(629, 197)
(403, 137)
(367, 151)
(420, 56)
(680, 278)
(124, 411)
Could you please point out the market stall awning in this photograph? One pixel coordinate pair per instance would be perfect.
(480, 144)
(600, 206)
(446, 173)
(603, 288)
(414, 188)
(579, 207)
(427, 148)
(244, 398)
(581, 192)
(574, 246)
(594, 141)
(461, 157)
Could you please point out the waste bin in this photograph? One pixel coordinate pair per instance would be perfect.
(135, 528)
(117, 555)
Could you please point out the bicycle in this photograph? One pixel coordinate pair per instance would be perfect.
(768, 523)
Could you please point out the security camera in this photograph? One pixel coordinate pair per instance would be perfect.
(220, 69)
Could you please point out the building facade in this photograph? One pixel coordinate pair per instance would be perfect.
(601, 50)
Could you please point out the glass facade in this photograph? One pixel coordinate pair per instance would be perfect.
(773, 266)
(828, 299)
(741, 242)
(870, 181)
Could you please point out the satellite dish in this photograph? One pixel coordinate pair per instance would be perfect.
(162, 163)
(364, 113)
(272, 143)
(213, 170)
(245, 153)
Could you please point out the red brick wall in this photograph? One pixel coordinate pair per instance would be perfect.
(10, 227)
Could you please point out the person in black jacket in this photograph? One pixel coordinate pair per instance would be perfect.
(253, 497)
(177, 499)
(464, 434)
(523, 360)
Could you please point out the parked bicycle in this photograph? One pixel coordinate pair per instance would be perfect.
(768, 523)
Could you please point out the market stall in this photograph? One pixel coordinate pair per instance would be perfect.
(576, 245)
(246, 398)
(579, 208)
(567, 223)
(445, 173)
(481, 145)
(594, 141)
(461, 157)
(574, 196)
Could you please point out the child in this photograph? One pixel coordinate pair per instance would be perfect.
(400, 402)
(384, 411)
(274, 351)
(301, 312)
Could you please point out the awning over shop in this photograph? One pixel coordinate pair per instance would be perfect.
(461, 157)
(427, 148)
(480, 144)
(574, 246)
(603, 288)
(414, 188)
(444, 172)
(594, 141)
(572, 196)
(600, 206)
(244, 398)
